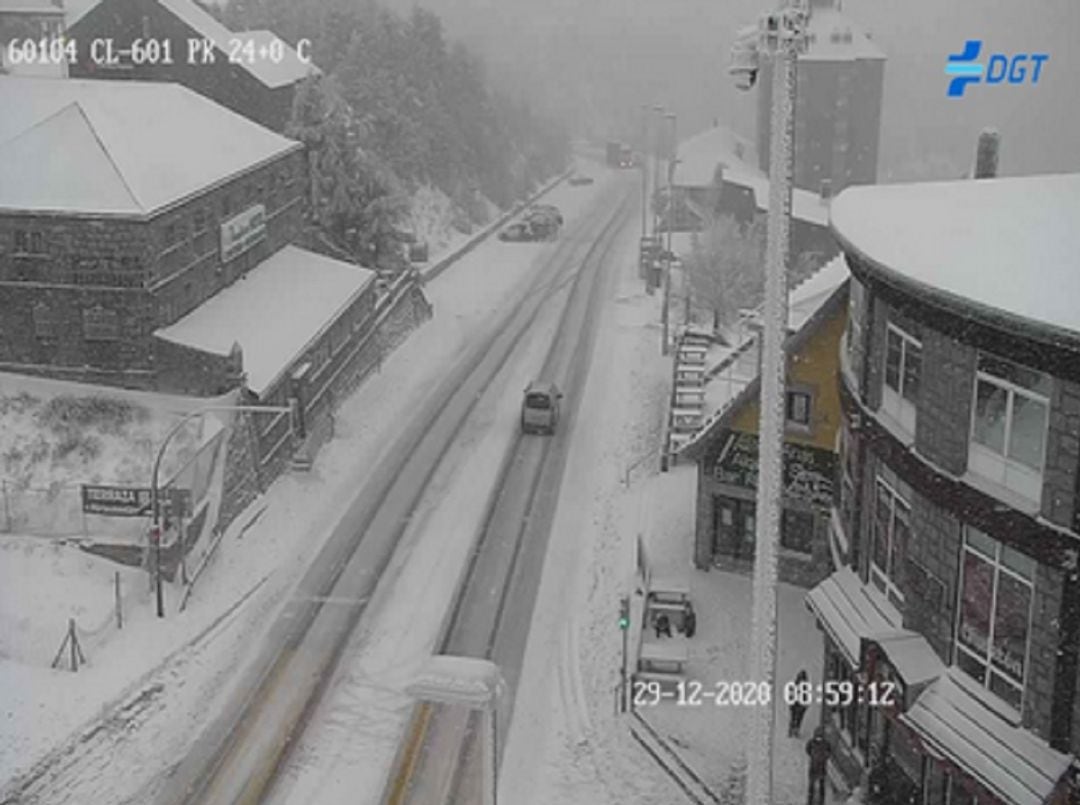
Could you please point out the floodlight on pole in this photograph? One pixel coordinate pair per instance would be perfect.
(781, 36)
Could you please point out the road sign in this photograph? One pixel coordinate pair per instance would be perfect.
(116, 501)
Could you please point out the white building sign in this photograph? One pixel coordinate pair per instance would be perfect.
(243, 231)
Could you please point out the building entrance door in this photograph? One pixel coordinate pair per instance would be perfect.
(734, 529)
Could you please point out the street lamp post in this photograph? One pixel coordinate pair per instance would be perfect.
(155, 497)
(657, 133)
(644, 167)
(781, 36)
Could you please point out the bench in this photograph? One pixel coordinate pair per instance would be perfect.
(669, 592)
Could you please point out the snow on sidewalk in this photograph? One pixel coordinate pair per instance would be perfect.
(44, 711)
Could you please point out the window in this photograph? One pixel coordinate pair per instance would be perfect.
(891, 534)
(538, 401)
(903, 366)
(226, 205)
(994, 615)
(22, 241)
(798, 408)
(797, 531)
(45, 324)
(200, 221)
(1008, 426)
(100, 324)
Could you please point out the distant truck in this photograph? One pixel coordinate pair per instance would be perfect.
(619, 155)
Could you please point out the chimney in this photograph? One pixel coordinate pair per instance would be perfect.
(986, 156)
(826, 189)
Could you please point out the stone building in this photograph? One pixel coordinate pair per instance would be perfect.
(253, 73)
(956, 524)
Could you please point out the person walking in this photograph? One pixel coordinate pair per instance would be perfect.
(663, 626)
(797, 709)
(819, 751)
(689, 621)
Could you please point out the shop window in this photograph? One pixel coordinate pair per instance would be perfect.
(903, 367)
(797, 531)
(798, 408)
(891, 535)
(1010, 416)
(994, 615)
(29, 242)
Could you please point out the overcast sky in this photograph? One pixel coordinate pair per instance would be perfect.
(597, 61)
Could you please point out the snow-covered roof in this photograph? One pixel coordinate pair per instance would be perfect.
(911, 655)
(836, 37)
(30, 7)
(288, 70)
(272, 75)
(849, 613)
(699, 155)
(1010, 761)
(273, 313)
(1009, 245)
(119, 147)
(805, 205)
(806, 298)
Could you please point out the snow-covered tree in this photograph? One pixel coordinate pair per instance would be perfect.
(726, 268)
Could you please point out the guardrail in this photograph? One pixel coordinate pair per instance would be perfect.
(444, 263)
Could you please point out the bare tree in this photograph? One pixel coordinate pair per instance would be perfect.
(726, 267)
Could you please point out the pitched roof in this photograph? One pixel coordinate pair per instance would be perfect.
(815, 303)
(1005, 246)
(118, 147)
(272, 74)
(30, 7)
(702, 154)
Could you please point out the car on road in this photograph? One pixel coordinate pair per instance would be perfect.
(519, 231)
(538, 211)
(580, 179)
(540, 408)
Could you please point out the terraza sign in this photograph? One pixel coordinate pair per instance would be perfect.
(116, 501)
(242, 231)
(133, 501)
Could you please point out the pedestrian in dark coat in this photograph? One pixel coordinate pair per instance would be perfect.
(819, 751)
(689, 621)
(663, 625)
(797, 709)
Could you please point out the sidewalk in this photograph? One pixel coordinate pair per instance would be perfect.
(710, 738)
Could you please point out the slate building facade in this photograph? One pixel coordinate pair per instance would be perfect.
(956, 516)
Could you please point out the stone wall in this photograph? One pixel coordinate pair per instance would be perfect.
(1062, 455)
(943, 421)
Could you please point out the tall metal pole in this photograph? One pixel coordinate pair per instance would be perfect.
(644, 167)
(665, 316)
(657, 133)
(783, 35)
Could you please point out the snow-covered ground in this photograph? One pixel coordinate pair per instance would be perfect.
(165, 674)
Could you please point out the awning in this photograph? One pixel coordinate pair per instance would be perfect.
(274, 312)
(850, 611)
(911, 656)
(1008, 761)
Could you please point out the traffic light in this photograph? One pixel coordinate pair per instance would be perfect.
(624, 613)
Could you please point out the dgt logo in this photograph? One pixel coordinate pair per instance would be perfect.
(999, 67)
